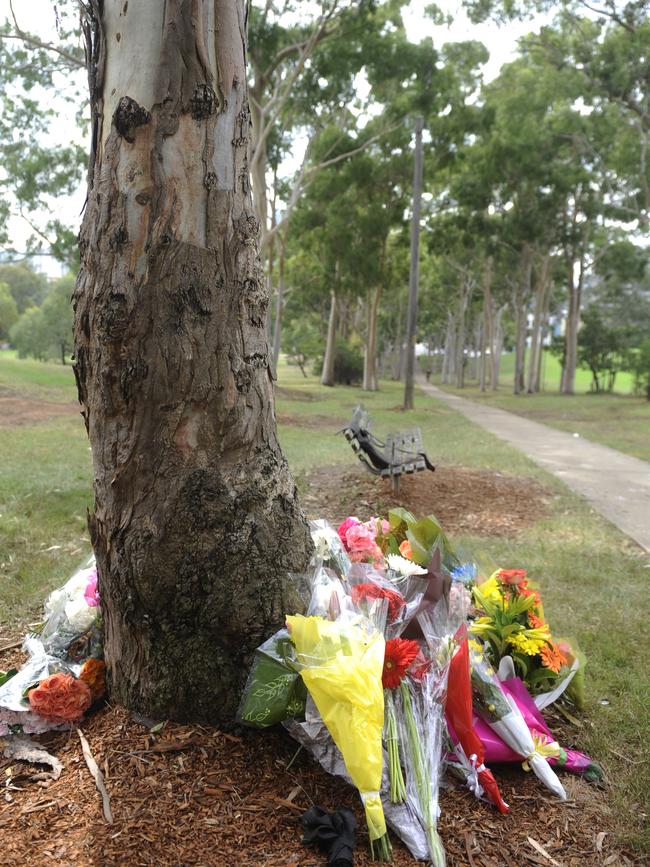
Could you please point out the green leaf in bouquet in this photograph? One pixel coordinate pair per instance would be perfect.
(274, 690)
(7, 675)
(398, 517)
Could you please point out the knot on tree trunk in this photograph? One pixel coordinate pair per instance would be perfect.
(128, 116)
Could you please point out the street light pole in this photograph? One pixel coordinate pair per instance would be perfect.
(414, 278)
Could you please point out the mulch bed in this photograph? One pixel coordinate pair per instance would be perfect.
(191, 795)
(465, 500)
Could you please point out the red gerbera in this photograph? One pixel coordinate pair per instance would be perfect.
(396, 601)
(399, 654)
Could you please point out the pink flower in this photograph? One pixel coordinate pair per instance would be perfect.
(90, 593)
(343, 530)
(361, 545)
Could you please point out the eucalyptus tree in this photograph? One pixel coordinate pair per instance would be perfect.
(196, 521)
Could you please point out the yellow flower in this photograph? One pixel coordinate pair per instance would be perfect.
(490, 589)
(530, 646)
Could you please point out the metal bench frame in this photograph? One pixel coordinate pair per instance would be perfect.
(401, 453)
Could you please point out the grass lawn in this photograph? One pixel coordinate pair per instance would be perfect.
(594, 580)
(619, 420)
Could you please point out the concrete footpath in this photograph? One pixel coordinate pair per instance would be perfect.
(616, 485)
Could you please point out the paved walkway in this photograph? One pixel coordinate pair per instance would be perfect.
(616, 485)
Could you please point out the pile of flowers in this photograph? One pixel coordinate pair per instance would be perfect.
(408, 660)
(64, 673)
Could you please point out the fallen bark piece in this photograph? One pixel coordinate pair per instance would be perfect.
(97, 776)
(25, 750)
(542, 851)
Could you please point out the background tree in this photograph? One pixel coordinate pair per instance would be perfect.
(8, 311)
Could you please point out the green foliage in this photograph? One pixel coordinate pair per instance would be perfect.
(303, 343)
(599, 349)
(348, 363)
(8, 311)
(28, 287)
(46, 332)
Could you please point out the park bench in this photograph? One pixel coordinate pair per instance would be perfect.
(400, 453)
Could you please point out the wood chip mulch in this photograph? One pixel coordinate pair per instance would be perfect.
(465, 500)
(192, 795)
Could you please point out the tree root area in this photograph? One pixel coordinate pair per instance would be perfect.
(190, 795)
(465, 501)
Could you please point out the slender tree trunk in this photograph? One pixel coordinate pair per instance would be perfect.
(520, 296)
(544, 328)
(488, 327)
(327, 376)
(414, 276)
(572, 327)
(498, 346)
(196, 521)
(279, 301)
(370, 357)
(538, 324)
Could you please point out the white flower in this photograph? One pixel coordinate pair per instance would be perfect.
(321, 539)
(403, 566)
(79, 614)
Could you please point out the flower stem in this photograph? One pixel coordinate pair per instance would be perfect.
(397, 788)
(422, 779)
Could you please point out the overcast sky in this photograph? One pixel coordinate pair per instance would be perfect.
(38, 16)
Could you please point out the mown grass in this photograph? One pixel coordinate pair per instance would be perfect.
(47, 380)
(595, 582)
(551, 375)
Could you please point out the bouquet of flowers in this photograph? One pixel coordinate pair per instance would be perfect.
(64, 673)
(511, 623)
(499, 710)
(341, 663)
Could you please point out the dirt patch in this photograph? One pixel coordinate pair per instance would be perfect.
(293, 393)
(16, 411)
(465, 500)
(194, 795)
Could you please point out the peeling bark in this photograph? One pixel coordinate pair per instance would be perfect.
(196, 522)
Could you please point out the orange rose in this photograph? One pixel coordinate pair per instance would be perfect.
(94, 674)
(61, 698)
(405, 549)
(512, 576)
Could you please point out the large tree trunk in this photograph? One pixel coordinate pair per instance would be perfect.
(327, 375)
(196, 521)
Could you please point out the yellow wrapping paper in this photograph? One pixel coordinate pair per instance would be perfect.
(342, 670)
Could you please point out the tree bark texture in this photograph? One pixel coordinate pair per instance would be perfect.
(196, 522)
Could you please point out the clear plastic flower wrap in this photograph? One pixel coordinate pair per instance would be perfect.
(72, 628)
(328, 548)
(13, 693)
(402, 593)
